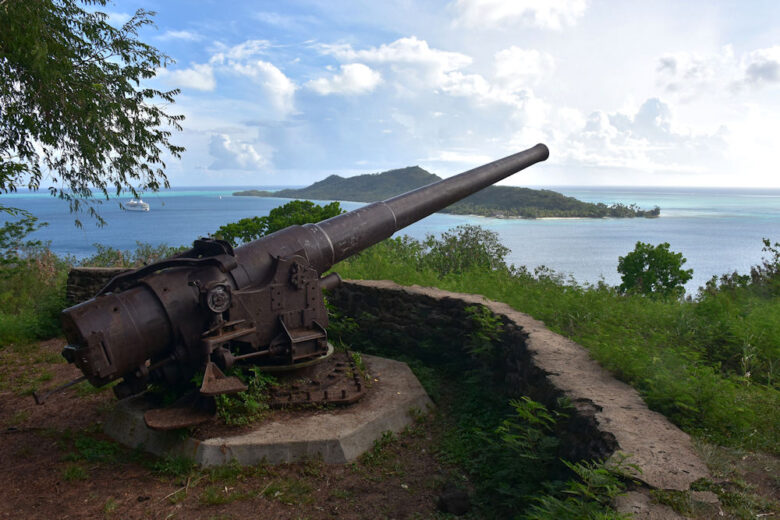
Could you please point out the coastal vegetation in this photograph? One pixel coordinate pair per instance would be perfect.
(493, 201)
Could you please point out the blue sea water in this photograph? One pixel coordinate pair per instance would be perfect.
(717, 230)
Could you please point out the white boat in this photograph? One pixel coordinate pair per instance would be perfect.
(137, 205)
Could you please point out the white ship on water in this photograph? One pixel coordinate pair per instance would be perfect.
(137, 205)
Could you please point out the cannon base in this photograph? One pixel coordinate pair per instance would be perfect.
(337, 435)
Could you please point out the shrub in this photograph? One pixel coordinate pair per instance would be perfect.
(32, 284)
(143, 254)
(295, 212)
(464, 247)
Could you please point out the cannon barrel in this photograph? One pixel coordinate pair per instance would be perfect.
(262, 301)
(359, 229)
(330, 241)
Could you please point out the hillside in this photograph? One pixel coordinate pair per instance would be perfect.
(492, 201)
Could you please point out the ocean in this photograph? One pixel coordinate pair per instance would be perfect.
(717, 230)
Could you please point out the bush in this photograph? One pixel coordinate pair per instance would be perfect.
(465, 247)
(296, 212)
(32, 284)
(143, 254)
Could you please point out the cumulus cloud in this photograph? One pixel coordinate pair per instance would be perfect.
(231, 155)
(762, 66)
(517, 68)
(279, 88)
(645, 141)
(692, 74)
(403, 50)
(242, 59)
(412, 59)
(418, 68)
(547, 14)
(355, 78)
(198, 77)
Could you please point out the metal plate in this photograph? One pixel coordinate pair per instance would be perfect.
(336, 381)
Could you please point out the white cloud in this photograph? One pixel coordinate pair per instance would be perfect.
(518, 68)
(762, 66)
(180, 35)
(459, 157)
(118, 19)
(692, 74)
(548, 14)
(288, 22)
(231, 155)
(241, 52)
(644, 141)
(278, 87)
(200, 77)
(241, 59)
(418, 69)
(355, 78)
(403, 50)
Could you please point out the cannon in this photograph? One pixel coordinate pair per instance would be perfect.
(212, 306)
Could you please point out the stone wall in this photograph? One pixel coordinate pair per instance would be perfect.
(437, 328)
(85, 282)
(608, 418)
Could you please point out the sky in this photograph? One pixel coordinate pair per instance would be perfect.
(628, 93)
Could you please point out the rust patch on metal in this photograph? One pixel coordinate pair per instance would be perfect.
(337, 381)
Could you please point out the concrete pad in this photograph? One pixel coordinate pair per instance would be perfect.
(338, 436)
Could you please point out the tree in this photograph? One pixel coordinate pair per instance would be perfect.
(295, 212)
(653, 270)
(73, 107)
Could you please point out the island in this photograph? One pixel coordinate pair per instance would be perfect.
(493, 201)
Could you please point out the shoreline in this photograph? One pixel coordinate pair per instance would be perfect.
(474, 215)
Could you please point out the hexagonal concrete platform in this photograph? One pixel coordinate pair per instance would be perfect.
(339, 435)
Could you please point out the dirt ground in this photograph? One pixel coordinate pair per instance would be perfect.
(57, 464)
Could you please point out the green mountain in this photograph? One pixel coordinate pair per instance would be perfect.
(492, 201)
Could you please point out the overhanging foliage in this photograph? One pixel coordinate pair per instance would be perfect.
(73, 106)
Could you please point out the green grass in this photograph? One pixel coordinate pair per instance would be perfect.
(32, 286)
(378, 454)
(290, 491)
(32, 294)
(708, 364)
(214, 495)
(174, 466)
(74, 472)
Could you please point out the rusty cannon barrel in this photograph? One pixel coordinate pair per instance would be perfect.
(213, 306)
